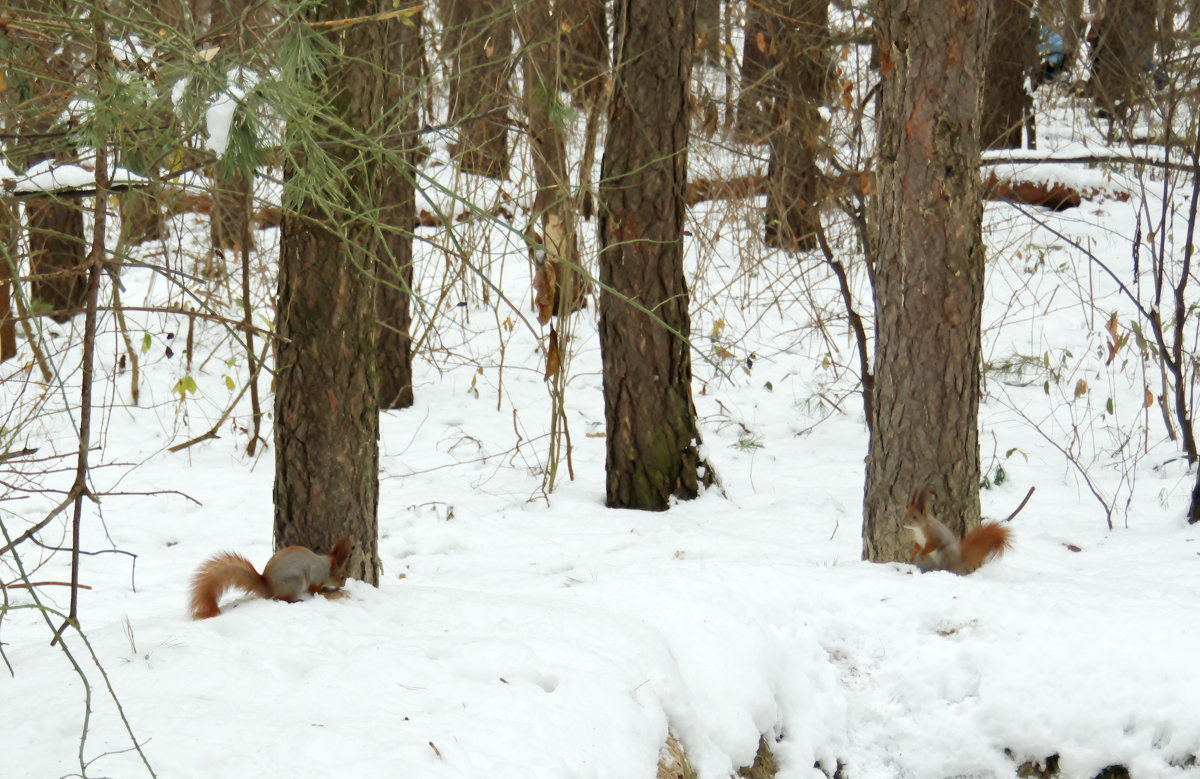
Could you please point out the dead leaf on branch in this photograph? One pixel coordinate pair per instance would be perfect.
(552, 356)
(545, 282)
(1115, 341)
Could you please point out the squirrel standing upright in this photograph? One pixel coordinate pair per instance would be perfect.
(936, 548)
(289, 574)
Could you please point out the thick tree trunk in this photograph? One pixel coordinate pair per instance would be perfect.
(1124, 58)
(478, 35)
(1007, 104)
(652, 441)
(928, 268)
(398, 196)
(795, 190)
(327, 390)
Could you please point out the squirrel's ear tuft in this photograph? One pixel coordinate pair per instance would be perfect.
(918, 501)
(343, 549)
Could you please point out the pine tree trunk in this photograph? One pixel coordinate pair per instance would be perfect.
(928, 268)
(478, 36)
(327, 388)
(795, 186)
(393, 296)
(1007, 104)
(652, 439)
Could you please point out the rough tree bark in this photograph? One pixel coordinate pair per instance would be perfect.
(478, 35)
(795, 186)
(327, 390)
(928, 268)
(398, 196)
(652, 439)
(1007, 104)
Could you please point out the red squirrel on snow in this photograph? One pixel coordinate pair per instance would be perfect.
(289, 574)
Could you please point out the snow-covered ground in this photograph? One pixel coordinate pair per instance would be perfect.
(519, 634)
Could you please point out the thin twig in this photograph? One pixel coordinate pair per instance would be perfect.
(1017, 511)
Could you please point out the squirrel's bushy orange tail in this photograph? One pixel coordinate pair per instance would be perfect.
(218, 575)
(983, 543)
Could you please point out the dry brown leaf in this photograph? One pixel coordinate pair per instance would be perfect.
(552, 357)
(1115, 343)
(544, 283)
(1149, 400)
(1080, 388)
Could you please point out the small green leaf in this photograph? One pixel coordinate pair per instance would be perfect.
(1109, 406)
(229, 385)
(147, 342)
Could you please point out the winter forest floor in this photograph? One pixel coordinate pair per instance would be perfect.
(519, 633)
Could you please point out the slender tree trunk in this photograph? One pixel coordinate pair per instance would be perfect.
(708, 30)
(9, 227)
(1007, 104)
(584, 47)
(327, 390)
(229, 221)
(652, 441)
(232, 189)
(795, 187)
(479, 42)
(553, 207)
(756, 91)
(398, 196)
(928, 268)
(585, 62)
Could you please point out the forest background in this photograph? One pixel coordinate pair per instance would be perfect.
(475, 276)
